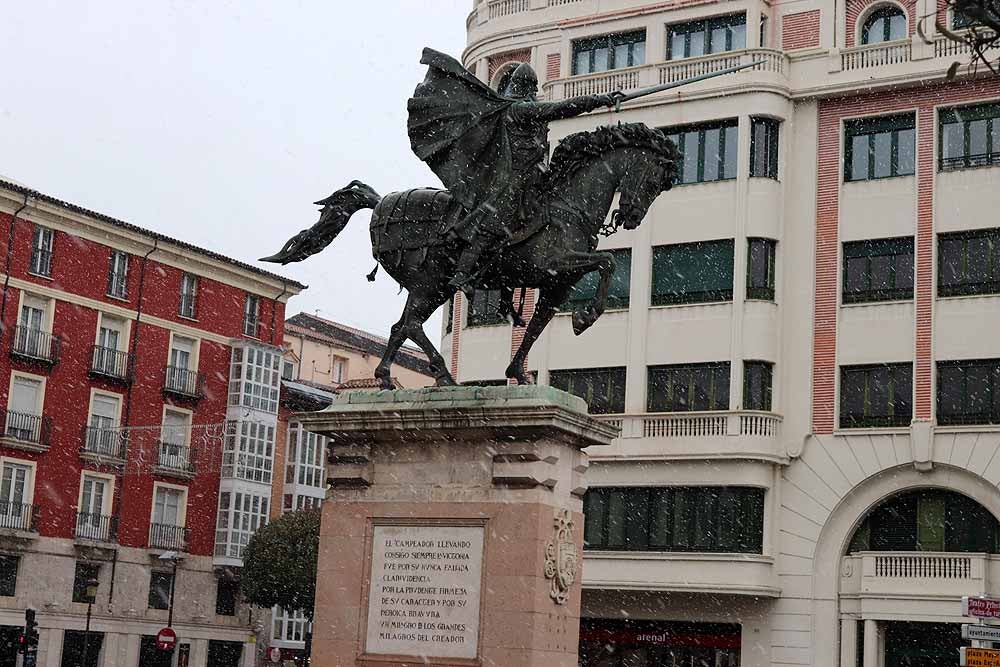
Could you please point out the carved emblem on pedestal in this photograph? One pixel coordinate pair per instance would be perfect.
(561, 557)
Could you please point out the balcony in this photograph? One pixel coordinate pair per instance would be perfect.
(183, 383)
(730, 574)
(96, 527)
(169, 537)
(896, 574)
(175, 460)
(772, 69)
(743, 434)
(18, 517)
(112, 364)
(104, 444)
(26, 431)
(876, 55)
(35, 345)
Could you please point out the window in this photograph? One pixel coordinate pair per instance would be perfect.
(602, 388)
(8, 575)
(701, 519)
(879, 147)
(41, 252)
(15, 496)
(960, 20)
(586, 289)
(103, 436)
(290, 626)
(699, 272)
(969, 263)
(707, 151)
(24, 409)
(182, 366)
(599, 54)
(109, 357)
(118, 275)
(251, 315)
(339, 369)
(969, 137)
(760, 269)
(227, 593)
(254, 379)
(248, 452)
(878, 270)
(160, 584)
(168, 505)
(85, 572)
(73, 644)
(92, 523)
(886, 24)
(968, 392)
(189, 296)
(306, 465)
(764, 148)
(287, 370)
(757, 379)
(449, 314)
(240, 515)
(927, 520)
(174, 435)
(484, 308)
(699, 38)
(876, 395)
(31, 339)
(688, 387)
(224, 654)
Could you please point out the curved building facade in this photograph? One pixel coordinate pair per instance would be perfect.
(800, 349)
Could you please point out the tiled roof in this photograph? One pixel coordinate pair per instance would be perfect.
(23, 190)
(364, 341)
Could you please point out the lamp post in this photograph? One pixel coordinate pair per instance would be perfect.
(91, 597)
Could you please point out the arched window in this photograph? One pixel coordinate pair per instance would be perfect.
(927, 520)
(884, 25)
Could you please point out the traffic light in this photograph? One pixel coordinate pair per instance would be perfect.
(30, 637)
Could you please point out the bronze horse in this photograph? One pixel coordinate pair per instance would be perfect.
(555, 247)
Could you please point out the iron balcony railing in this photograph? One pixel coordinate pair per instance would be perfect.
(175, 457)
(168, 536)
(35, 344)
(111, 363)
(26, 427)
(183, 381)
(18, 516)
(110, 442)
(97, 527)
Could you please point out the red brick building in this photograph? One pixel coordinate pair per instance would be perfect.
(139, 383)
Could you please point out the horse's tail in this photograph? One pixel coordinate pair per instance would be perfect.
(337, 210)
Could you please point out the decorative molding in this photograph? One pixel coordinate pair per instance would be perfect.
(561, 557)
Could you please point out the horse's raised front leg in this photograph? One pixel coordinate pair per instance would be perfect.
(546, 307)
(585, 262)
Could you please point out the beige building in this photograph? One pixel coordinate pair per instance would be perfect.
(801, 346)
(328, 353)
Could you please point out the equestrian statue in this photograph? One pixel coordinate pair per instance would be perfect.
(510, 217)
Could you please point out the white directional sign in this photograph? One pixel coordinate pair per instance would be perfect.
(983, 633)
(981, 607)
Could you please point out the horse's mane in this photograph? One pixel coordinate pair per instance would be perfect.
(580, 149)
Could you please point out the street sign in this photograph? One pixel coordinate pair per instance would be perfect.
(166, 639)
(979, 657)
(983, 633)
(981, 607)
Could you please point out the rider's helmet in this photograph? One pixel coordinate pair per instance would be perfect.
(523, 83)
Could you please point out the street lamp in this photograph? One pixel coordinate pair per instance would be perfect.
(91, 598)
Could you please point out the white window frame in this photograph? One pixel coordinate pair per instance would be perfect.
(48, 311)
(113, 273)
(189, 415)
(27, 376)
(244, 389)
(338, 364)
(107, 394)
(126, 329)
(39, 232)
(195, 281)
(29, 485)
(108, 501)
(182, 505)
(233, 544)
(242, 455)
(254, 331)
(195, 350)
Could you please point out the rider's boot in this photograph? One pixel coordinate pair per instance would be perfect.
(467, 266)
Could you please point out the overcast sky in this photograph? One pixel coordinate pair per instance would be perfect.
(221, 122)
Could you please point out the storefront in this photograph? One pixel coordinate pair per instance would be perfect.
(627, 643)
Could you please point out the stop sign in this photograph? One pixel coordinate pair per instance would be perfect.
(166, 639)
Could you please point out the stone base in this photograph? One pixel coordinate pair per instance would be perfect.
(453, 528)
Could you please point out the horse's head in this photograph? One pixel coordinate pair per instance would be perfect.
(651, 170)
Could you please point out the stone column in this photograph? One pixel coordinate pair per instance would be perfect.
(873, 653)
(453, 529)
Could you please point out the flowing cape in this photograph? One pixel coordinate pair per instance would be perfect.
(457, 125)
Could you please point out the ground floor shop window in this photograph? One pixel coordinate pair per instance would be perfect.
(76, 643)
(628, 643)
(9, 635)
(224, 654)
(150, 656)
(922, 644)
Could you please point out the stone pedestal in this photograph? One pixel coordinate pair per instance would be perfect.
(452, 533)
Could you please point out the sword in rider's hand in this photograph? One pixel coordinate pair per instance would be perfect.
(623, 97)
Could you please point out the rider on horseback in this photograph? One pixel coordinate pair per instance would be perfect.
(451, 114)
